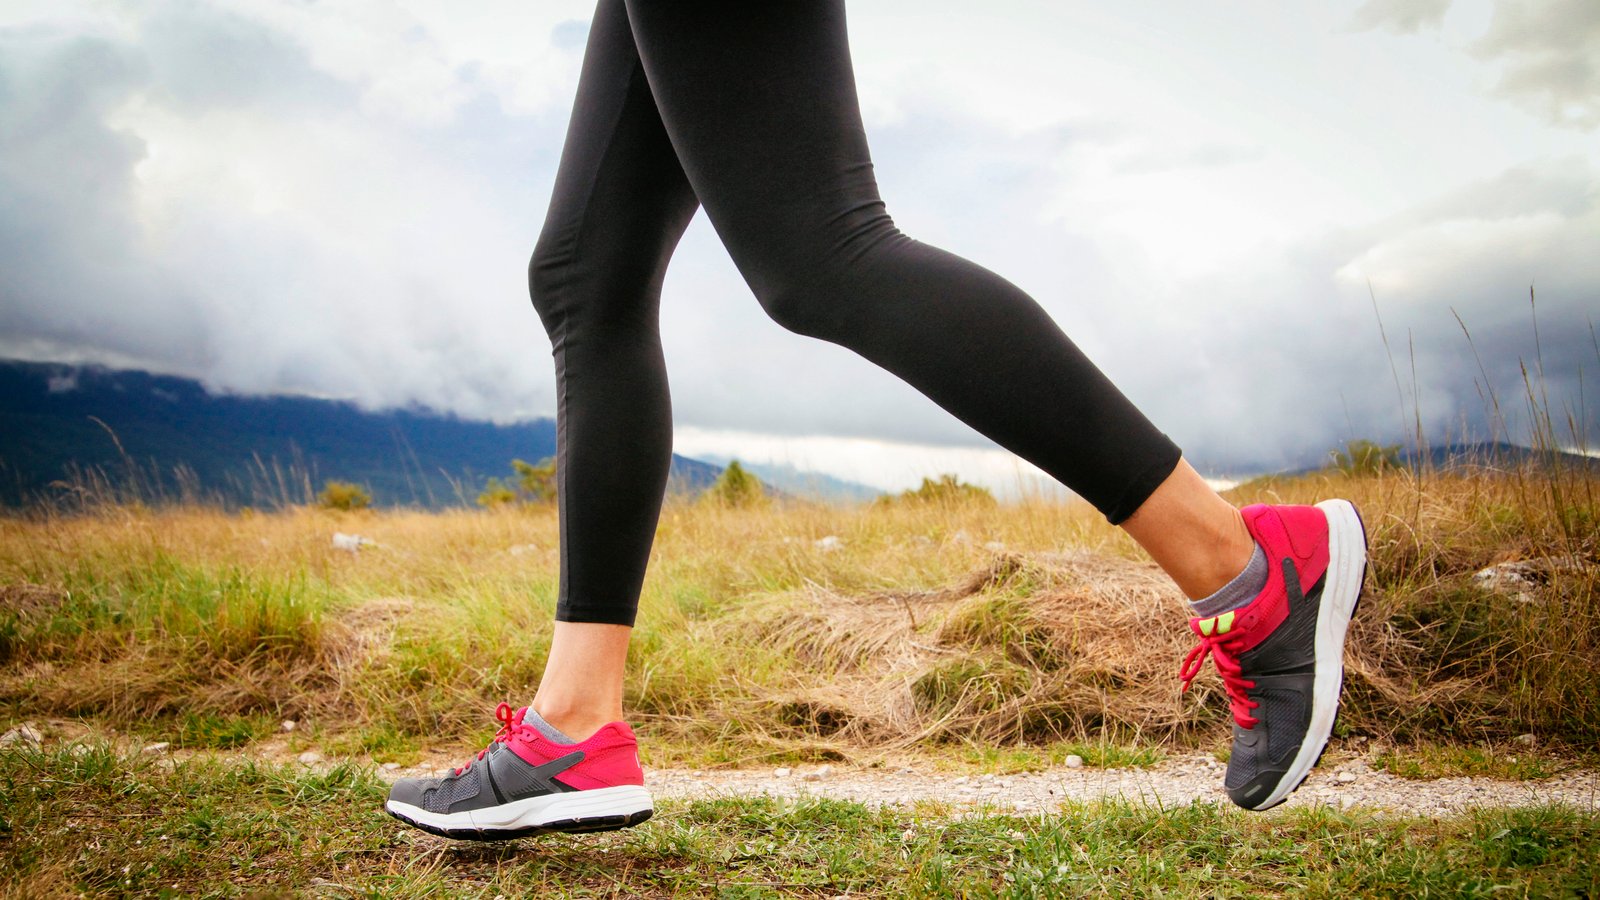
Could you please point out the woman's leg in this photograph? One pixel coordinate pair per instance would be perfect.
(759, 100)
(620, 204)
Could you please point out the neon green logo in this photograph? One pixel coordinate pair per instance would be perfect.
(1219, 624)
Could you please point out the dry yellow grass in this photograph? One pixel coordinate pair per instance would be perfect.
(756, 639)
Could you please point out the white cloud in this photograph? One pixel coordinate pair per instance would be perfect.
(1549, 51)
(887, 465)
(1399, 16)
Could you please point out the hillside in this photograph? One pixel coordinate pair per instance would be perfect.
(249, 450)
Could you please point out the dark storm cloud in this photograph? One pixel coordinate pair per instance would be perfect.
(129, 234)
(1314, 353)
(69, 237)
(81, 277)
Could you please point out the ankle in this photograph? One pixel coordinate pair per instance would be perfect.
(577, 722)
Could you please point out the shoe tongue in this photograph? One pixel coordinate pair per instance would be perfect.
(516, 717)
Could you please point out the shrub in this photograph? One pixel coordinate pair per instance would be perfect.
(496, 493)
(736, 487)
(344, 495)
(531, 483)
(1363, 457)
(536, 483)
(947, 489)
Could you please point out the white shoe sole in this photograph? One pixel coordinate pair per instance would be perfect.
(600, 809)
(1341, 590)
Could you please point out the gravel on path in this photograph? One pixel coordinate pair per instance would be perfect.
(1178, 781)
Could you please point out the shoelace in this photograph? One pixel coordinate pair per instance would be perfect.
(508, 727)
(1216, 647)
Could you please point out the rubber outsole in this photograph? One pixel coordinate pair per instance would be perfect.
(565, 826)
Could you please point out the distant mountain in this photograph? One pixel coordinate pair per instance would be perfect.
(804, 484)
(1484, 455)
(250, 450)
(1497, 455)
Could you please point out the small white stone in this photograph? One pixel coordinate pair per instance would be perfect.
(310, 757)
(1074, 761)
(390, 766)
(157, 747)
(1346, 777)
(782, 772)
(961, 779)
(22, 734)
(830, 542)
(1526, 739)
(288, 725)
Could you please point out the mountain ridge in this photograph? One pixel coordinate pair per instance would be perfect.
(58, 421)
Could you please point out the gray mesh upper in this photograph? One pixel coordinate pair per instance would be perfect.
(452, 790)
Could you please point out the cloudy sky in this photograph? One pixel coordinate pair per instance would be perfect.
(1217, 201)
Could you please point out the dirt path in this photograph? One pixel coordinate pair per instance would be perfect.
(1180, 780)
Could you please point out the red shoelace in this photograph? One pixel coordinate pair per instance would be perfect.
(1216, 647)
(508, 726)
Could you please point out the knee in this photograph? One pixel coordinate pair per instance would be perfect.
(547, 270)
(820, 280)
(799, 306)
(811, 303)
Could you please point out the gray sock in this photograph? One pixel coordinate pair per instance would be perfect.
(545, 728)
(1237, 593)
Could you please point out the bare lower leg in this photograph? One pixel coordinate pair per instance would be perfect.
(1197, 537)
(582, 685)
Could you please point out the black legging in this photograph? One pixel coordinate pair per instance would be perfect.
(749, 108)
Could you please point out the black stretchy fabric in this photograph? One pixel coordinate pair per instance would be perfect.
(750, 110)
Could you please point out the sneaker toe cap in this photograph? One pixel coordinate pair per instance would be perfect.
(1253, 793)
(409, 791)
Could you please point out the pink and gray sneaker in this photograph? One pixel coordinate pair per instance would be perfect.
(1281, 656)
(524, 784)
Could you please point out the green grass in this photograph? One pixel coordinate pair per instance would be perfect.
(86, 820)
(1430, 761)
(1098, 754)
(209, 732)
(381, 744)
